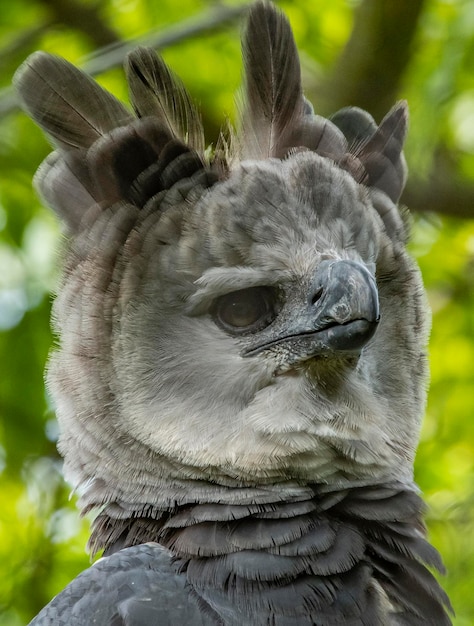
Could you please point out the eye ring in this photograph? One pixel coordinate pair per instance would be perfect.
(245, 311)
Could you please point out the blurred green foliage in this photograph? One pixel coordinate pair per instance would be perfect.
(41, 537)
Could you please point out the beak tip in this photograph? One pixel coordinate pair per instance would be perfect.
(353, 336)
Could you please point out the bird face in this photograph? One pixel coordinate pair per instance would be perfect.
(317, 296)
(262, 330)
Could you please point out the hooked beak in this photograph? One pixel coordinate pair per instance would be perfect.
(340, 315)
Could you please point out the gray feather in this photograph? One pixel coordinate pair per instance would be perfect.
(155, 91)
(65, 185)
(356, 124)
(273, 96)
(162, 596)
(382, 155)
(68, 105)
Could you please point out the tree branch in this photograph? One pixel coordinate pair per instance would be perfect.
(84, 18)
(22, 44)
(373, 62)
(446, 196)
(113, 55)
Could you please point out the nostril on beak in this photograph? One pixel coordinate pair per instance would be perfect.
(317, 296)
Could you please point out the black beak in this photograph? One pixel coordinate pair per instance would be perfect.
(344, 304)
(339, 316)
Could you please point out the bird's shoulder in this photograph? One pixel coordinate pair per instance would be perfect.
(136, 586)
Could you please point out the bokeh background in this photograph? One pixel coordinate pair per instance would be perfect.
(363, 52)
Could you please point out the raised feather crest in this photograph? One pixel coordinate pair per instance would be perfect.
(156, 92)
(276, 120)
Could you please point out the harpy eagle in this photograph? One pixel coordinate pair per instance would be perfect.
(241, 371)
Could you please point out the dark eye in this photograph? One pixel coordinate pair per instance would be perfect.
(245, 311)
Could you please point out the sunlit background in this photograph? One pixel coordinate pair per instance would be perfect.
(42, 539)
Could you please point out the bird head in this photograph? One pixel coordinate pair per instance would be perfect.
(251, 321)
(279, 334)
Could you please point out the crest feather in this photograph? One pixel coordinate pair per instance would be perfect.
(66, 103)
(273, 96)
(155, 91)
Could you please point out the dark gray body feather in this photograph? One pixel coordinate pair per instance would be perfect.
(334, 559)
(269, 462)
(131, 582)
